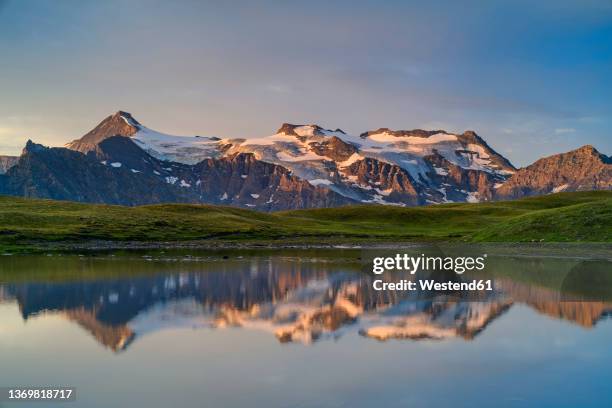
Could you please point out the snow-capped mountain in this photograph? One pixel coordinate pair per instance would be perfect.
(121, 161)
(182, 149)
(384, 166)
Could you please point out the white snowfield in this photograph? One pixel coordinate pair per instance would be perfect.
(181, 149)
(296, 153)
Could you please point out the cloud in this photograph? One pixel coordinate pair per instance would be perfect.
(561, 131)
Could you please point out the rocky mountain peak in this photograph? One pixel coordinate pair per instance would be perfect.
(32, 147)
(290, 129)
(127, 117)
(590, 151)
(470, 134)
(586, 152)
(118, 124)
(577, 170)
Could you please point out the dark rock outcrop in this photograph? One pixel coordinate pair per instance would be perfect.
(334, 148)
(289, 129)
(403, 133)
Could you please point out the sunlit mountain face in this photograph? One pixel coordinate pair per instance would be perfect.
(303, 299)
(121, 161)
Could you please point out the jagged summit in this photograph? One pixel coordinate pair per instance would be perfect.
(590, 150)
(290, 129)
(32, 147)
(127, 117)
(587, 152)
(118, 124)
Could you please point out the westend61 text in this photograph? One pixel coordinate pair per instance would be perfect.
(429, 284)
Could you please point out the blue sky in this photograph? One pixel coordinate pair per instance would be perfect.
(532, 79)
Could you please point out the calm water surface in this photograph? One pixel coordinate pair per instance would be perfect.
(301, 329)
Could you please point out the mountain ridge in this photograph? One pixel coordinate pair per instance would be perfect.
(300, 166)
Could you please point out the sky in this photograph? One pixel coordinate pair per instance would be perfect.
(532, 78)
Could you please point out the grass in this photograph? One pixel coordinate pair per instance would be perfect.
(564, 217)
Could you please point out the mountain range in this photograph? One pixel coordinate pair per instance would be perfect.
(123, 162)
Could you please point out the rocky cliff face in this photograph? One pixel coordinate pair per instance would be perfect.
(578, 170)
(245, 181)
(64, 174)
(6, 162)
(385, 180)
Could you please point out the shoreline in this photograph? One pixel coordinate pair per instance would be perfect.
(589, 250)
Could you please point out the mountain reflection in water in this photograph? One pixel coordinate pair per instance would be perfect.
(295, 298)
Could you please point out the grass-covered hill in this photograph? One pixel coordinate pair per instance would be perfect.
(565, 217)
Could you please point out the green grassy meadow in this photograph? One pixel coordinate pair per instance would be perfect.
(564, 217)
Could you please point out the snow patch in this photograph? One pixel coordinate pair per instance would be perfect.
(472, 197)
(440, 171)
(354, 158)
(318, 182)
